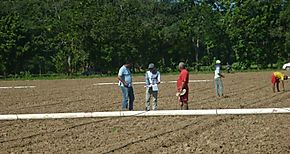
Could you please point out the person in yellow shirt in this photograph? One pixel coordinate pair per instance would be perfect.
(276, 78)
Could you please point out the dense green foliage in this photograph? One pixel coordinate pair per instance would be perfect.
(66, 36)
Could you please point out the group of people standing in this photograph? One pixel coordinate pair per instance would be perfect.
(153, 79)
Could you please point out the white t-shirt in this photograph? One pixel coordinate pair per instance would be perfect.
(217, 72)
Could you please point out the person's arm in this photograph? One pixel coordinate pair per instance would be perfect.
(124, 82)
(158, 78)
(120, 78)
(147, 79)
(221, 75)
(184, 79)
(283, 85)
(182, 85)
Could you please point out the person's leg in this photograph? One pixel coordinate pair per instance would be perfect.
(148, 97)
(221, 87)
(185, 105)
(184, 100)
(277, 84)
(273, 81)
(273, 87)
(131, 98)
(124, 98)
(155, 95)
(216, 86)
(181, 105)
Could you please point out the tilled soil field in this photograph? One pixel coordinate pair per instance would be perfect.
(165, 134)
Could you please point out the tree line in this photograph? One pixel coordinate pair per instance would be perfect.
(69, 36)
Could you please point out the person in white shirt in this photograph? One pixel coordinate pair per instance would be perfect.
(218, 79)
(152, 79)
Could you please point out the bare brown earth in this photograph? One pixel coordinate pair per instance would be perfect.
(168, 134)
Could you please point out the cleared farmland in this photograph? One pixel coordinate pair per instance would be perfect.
(168, 134)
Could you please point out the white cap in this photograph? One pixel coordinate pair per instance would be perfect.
(218, 62)
(151, 65)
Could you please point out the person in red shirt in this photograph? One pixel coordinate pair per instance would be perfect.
(182, 83)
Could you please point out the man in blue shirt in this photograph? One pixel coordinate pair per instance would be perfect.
(125, 84)
(152, 79)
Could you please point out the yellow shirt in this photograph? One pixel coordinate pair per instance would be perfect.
(279, 75)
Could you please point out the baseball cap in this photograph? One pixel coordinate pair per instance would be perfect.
(151, 65)
(218, 62)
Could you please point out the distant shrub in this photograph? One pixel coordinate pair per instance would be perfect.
(25, 75)
(240, 66)
(280, 63)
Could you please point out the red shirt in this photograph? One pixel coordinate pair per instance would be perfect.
(183, 77)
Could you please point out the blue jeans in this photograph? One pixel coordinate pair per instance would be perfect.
(127, 96)
(218, 86)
